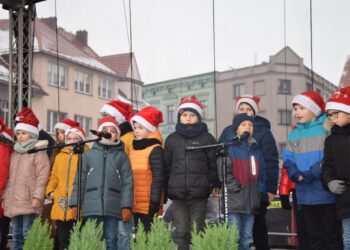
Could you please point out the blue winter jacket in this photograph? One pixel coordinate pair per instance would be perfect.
(303, 156)
(267, 144)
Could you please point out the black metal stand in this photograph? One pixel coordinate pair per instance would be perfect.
(78, 149)
(222, 152)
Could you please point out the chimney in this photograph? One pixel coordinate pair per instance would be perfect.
(82, 36)
(50, 21)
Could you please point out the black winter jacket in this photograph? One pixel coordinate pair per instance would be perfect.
(190, 173)
(336, 166)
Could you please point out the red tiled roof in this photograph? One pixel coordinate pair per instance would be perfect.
(345, 77)
(120, 63)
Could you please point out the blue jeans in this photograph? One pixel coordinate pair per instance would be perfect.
(20, 227)
(124, 235)
(110, 230)
(346, 233)
(244, 224)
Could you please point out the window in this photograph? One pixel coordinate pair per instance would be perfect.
(285, 117)
(318, 90)
(238, 90)
(308, 86)
(53, 77)
(54, 117)
(85, 123)
(171, 114)
(205, 107)
(259, 88)
(284, 87)
(82, 82)
(105, 88)
(4, 109)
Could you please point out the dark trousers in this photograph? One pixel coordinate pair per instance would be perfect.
(303, 237)
(63, 230)
(185, 213)
(145, 219)
(260, 237)
(323, 228)
(4, 231)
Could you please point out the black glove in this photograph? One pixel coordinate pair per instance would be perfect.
(285, 202)
(153, 207)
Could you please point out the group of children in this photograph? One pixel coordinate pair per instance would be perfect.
(127, 177)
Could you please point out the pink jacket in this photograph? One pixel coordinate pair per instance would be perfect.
(28, 177)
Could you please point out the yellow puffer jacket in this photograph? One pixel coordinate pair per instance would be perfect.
(127, 139)
(61, 183)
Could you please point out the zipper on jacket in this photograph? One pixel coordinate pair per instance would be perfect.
(249, 182)
(67, 186)
(103, 179)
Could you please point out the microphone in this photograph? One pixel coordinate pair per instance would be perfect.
(101, 134)
(245, 135)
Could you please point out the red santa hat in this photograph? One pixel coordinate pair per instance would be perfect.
(77, 131)
(192, 104)
(311, 100)
(149, 117)
(108, 121)
(4, 131)
(66, 124)
(122, 111)
(251, 100)
(340, 100)
(27, 121)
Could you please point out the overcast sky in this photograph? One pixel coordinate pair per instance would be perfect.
(173, 39)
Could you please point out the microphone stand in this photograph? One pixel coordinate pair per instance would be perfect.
(78, 149)
(222, 152)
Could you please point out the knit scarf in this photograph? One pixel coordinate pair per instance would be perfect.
(191, 130)
(23, 148)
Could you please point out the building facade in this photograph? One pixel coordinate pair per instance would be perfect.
(75, 81)
(275, 82)
(166, 96)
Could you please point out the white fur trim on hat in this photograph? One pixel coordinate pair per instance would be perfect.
(6, 135)
(338, 106)
(250, 101)
(61, 126)
(308, 103)
(26, 127)
(112, 111)
(143, 122)
(76, 132)
(192, 106)
(105, 124)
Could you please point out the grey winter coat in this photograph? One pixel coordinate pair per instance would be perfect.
(107, 182)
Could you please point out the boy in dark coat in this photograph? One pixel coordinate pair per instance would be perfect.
(336, 166)
(190, 174)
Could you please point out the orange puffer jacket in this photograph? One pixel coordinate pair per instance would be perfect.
(148, 169)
